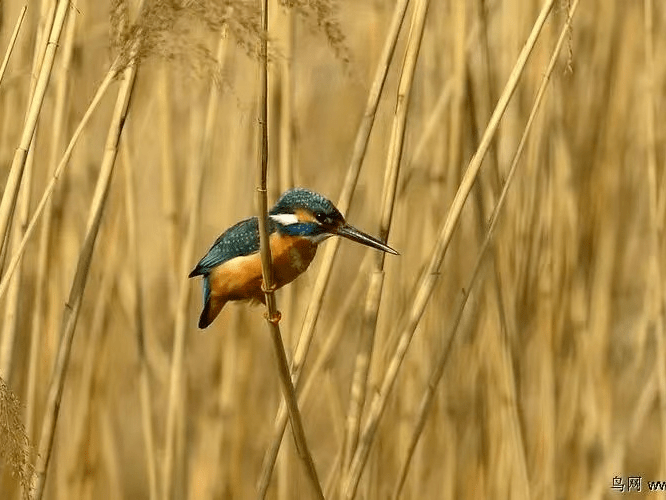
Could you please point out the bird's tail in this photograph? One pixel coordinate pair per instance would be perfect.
(210, 311)
(212, 305)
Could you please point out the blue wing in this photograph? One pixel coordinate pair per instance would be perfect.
(205, 284)
(240, 239)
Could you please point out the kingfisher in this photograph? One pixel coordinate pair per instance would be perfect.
(300, 220)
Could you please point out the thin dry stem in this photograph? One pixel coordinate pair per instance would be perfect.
(145, 393)
(12, 42)
(307, 382)
(13, 303)
(272, 314)
(187, 253)
(21, 218)
(351, 179)
(73, 306)
(12, 185)
(373, 297)
(56, 175)
(436, 374)
(84, 410)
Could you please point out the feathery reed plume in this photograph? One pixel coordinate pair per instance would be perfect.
(175, 32)
(14, 443)
(322, 15)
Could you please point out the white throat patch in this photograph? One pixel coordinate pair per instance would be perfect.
(285, 219)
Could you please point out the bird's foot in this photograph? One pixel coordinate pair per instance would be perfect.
(272, 318)
(275, 318)
(271, 288)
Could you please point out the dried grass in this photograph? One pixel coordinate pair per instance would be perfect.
(555, 379)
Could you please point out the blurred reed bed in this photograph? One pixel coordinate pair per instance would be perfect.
(511, 352)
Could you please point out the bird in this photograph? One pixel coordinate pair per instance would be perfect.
(299, 221)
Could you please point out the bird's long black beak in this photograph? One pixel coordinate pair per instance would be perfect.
(354, 234)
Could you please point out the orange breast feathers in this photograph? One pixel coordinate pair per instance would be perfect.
(240, 278)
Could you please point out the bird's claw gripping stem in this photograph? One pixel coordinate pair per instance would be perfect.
(275, 319)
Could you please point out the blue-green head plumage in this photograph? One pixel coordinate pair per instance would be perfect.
(301, 212)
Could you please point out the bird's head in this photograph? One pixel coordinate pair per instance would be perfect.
(301, 212)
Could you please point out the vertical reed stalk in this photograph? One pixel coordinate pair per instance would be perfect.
(12, 185)
(73, 306)
(43, 251)
(317, 294)
(281, 26)
(13, 263)
(12, 304)
(373, 297)
(272, 314)
(12, 42)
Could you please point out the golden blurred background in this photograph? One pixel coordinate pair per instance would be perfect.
(549, 384)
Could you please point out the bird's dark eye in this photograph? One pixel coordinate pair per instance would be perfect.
(321, 217)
